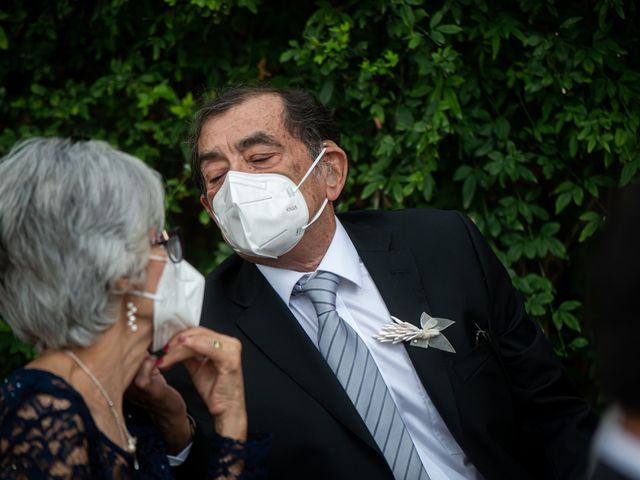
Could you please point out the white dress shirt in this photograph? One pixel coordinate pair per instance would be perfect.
(615, 446)
(359, 304)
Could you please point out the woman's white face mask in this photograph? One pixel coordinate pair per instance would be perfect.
(263, 214)
(177, 301)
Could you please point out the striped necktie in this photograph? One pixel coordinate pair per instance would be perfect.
(356, 370)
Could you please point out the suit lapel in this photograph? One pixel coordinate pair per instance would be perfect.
(270, 325)
(284, 342)
(395, 274)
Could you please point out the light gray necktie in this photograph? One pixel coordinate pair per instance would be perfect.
(353, 365)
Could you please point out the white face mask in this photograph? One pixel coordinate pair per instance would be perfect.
(263, 214)
(177, 303)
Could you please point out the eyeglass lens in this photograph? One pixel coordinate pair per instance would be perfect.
(174, 248)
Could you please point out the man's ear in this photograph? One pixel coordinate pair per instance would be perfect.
(337, 167)
(205, 203)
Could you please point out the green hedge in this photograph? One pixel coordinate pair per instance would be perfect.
(524, 114)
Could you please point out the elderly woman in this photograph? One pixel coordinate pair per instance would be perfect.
(89, 276)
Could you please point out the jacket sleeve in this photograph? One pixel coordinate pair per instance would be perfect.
(554, 420)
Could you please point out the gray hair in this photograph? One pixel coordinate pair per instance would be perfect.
(305, 118)
(74, 218)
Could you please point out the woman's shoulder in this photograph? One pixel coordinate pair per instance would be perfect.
(40, 403)
(30, 395)
(42, 425)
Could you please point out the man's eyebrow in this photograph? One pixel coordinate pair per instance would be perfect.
(209, 155)
(257, 138)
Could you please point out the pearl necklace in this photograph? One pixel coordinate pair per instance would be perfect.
(129, 440)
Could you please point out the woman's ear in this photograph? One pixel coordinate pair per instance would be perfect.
(337, 167)
(122, 284)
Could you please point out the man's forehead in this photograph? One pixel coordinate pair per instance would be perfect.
(256, 116)
(260, 113)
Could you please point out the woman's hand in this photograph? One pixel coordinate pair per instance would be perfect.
(213, 360)
(165, 405)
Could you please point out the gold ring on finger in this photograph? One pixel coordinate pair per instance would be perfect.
(217, 343)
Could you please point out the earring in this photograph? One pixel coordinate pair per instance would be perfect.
(131, 316)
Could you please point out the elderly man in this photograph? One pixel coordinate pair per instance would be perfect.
(322, 305)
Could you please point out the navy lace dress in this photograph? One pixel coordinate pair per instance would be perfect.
(47, 432)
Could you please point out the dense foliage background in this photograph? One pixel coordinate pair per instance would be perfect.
(522, 113)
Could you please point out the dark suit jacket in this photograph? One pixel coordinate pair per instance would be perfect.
(503, 396)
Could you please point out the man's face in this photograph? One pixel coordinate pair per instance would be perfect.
(251, 138)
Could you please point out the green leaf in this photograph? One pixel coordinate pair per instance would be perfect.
(571, 321)
(415, 41)
(549, 229)
(562, 201)
(462, 172)
(485, 148)
(569, 305)
(4, 41)
(437, 37)
(436, 19)
(452, 101)
(286, 56)
(588, 230)
(398, 193)
(404, 117)
(326, 92)
(203, 217)
(578, 195)
(369, 190)
(557, 320)
(495, 47)
(570, 22)
(529, 250)
(502, 127)
(468, 190)
(428, 187)
(578, 343)
(628, 172)
(588, 66)
(38, 89)
(406, 13)
(449, 29)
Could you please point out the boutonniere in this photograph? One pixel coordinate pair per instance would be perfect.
(430, 335)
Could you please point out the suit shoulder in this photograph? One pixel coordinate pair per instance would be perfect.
(230, 266)
(407, 219)
(222, 280)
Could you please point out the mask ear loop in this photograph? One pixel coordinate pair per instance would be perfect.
(313, 165)
(317, 215)
(326, 200)
(143, 294)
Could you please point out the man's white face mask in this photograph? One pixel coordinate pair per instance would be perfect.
(177, 301)
(263, 214)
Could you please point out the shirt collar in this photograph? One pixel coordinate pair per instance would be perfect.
(341, 258)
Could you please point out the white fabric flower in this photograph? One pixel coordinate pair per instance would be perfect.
(430, 335)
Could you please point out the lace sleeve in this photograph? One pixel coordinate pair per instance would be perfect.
(42, 438)
(236, 460)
